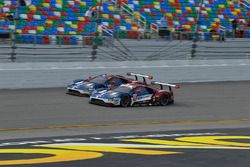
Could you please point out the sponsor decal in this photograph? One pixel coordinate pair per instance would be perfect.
(78, 149)
(144, 97)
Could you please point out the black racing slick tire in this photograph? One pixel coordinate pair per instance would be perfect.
(125, 101)
(164, 100)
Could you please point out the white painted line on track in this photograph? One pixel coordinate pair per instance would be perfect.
(121, 67)
(94, 138)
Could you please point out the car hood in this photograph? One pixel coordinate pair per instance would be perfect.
(83, 85)
(107, 94)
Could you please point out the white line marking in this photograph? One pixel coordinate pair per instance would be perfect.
(119, 67)
(107, 138)
(166, 135)
(107, 145)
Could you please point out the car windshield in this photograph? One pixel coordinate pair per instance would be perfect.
(99, 79)
(124, 89)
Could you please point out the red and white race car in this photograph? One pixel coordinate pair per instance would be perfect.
(136, 94)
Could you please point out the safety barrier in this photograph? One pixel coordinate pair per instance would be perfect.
(154, 49)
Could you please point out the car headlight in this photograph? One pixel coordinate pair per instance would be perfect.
(116, 99)
(94, 91)
(76, 82)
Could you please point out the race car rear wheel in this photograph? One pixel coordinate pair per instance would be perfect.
(125, 101)
(164, 100)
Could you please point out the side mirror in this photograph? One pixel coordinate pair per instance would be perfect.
(112, 86)
(90, 77)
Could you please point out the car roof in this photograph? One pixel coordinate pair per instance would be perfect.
(111, 75)
(122, 77)
(130, 80)
(136, 84)
(107, 76)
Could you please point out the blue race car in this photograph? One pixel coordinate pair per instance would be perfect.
(85, 87)
(135, 94)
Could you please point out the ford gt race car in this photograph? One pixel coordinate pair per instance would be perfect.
(83, 87)
(135, 94)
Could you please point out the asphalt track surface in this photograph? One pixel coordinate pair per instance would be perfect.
(207, 126)
(194, 148)
(44, 116)
(51, 112)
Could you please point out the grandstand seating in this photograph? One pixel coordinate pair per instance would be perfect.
(67, 17)
(184, 12)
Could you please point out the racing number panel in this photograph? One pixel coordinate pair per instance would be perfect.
(142, 95)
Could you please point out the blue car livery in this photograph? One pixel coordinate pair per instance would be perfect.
(125, 95)
(85, 87)
(135, 94)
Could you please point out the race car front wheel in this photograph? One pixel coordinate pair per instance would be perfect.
(164, 100)
(125, 101)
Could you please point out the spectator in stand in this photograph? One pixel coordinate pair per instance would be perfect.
(221, 32)
(213, 34)
(141, 31)
(22, 2)
(234, 26)
(94, 13)
(164, 21)
(163, 27)
(241, 28)
(91, 12)
(9, 17)
(221, 35)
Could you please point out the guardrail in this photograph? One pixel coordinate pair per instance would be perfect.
(130, 11)
(245, 3)
(108, 31)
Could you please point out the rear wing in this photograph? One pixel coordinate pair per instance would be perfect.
(170, 86)
(136, 75)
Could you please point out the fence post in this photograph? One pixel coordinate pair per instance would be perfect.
(94, 47)
(194, 45)
(13, 46)
(13, 34)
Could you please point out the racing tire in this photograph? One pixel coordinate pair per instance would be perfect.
(164, 100)
(125, 101)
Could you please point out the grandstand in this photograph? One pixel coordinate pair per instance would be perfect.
(68, 17)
